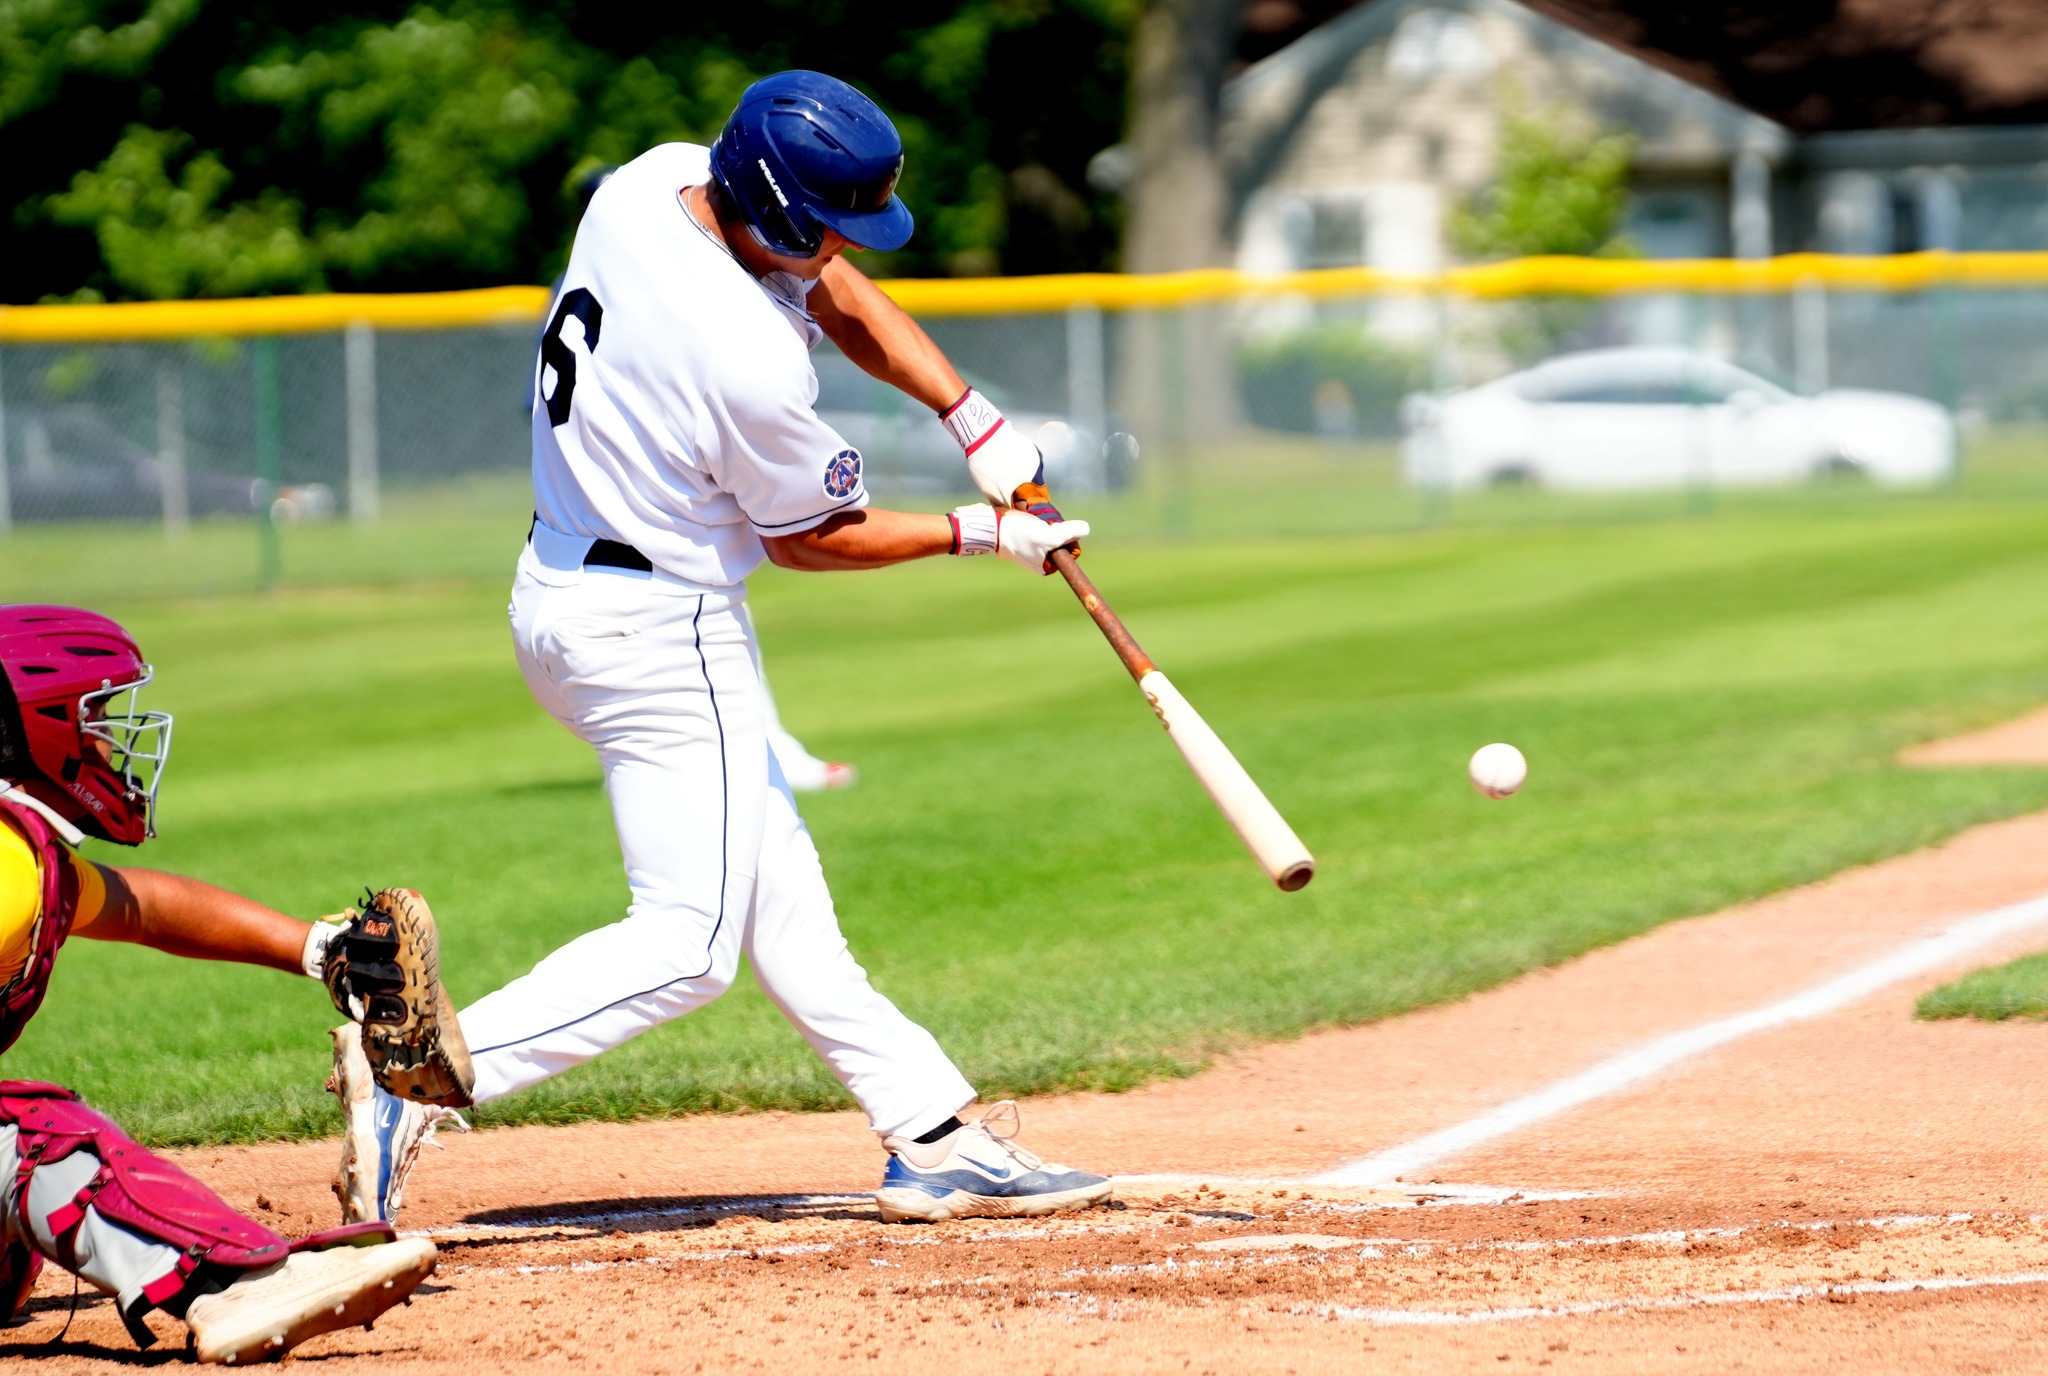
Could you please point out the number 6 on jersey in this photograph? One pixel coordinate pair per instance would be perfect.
(558, 357)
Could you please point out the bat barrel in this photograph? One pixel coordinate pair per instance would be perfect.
(1257, 822)
(1242, 802)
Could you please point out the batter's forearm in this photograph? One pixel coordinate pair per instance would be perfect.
(876, 333)
(868, 539)
(187, 917)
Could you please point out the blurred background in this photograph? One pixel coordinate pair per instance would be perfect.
(1658, 386)
(186, 149)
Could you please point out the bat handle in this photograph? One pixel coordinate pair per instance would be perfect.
(1121, 640)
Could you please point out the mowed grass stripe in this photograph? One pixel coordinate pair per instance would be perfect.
(1710, 708)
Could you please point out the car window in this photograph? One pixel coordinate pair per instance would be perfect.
(1624, 392)
(1644, 380)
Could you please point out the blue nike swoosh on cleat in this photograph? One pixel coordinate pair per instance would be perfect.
(901, 1175)
(388, 1112)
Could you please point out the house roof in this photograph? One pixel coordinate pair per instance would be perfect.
(1811, 65)
(1266, 103)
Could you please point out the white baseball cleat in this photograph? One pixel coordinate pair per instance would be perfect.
(978, 1170)
(381, 1134)
(269, 1312)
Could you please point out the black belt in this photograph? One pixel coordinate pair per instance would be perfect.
(608, 554)
(611, 554)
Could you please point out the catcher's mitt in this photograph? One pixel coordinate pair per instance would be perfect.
(383, 970)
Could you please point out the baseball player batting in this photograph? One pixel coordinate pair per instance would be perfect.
(675, 448)
(78, 757)
(801, 770)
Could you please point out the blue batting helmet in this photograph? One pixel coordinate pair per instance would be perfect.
(805, 152)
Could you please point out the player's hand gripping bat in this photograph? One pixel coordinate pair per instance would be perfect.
(1264, 831)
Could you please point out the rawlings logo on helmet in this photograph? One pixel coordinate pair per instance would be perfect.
(71, 734)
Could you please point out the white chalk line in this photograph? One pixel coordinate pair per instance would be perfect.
(1632, 1067)
(1415, 1195)
(1432, 1318)
(1667, 1237)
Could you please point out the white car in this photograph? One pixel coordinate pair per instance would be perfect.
(1661, 417)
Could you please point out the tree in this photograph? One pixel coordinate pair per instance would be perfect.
(1560, 187)
(1177, 196)
(189, 147)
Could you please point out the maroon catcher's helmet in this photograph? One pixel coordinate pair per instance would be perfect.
(71, 735)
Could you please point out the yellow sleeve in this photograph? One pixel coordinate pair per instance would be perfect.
(21, 901)
(92, 890)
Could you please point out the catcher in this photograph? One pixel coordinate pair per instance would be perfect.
(78, 758)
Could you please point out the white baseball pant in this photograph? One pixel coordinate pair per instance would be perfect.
(658, 677)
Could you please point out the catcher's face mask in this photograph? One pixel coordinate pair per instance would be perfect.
(72, 734)
(132, 744)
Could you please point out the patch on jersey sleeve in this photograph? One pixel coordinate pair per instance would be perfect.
(842, 473)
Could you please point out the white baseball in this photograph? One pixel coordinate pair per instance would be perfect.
(1498, 769)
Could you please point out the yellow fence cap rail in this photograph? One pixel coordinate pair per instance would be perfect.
(1028, 295)
(141, 320)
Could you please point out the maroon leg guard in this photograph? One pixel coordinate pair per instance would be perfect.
(137, 1190)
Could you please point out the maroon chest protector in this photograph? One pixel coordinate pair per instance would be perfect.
(52, 924)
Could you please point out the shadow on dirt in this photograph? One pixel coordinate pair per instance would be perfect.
(660, 1214)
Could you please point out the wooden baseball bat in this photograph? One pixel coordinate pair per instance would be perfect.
(1264, 831)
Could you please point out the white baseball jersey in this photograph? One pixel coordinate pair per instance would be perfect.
(673, 410)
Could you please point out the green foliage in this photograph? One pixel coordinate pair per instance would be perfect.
(43, 40)
(1711, 708)
(458, 104)
(2018, 989)
(365, 144)
(1560, 187)
(163, 232)
(1333, 379)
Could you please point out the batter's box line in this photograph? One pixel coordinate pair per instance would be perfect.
(1434, 1318)
(1413, 1193)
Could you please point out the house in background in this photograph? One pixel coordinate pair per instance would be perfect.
(1351, 144)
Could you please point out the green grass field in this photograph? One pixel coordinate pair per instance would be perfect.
(1710, 705)
(2017, 989)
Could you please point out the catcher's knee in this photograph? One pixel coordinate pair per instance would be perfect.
(84, 1167)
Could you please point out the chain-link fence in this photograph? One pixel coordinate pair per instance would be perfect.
(1322, 402)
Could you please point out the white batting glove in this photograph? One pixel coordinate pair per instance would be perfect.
(1016, 535)
(999, 459)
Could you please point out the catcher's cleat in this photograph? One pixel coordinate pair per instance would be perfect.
(381, 1135)
(384, 970)
(269, 1312)
(978, 1170)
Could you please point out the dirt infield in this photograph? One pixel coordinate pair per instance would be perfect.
(2023, 741)
(1815, 1182)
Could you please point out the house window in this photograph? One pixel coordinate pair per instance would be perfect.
(2005, 210)
(1336, 235)
(1675, 224)
(1434, 42)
